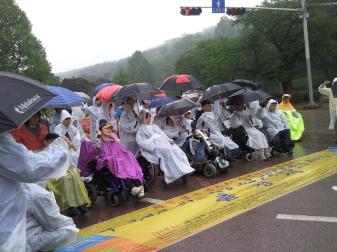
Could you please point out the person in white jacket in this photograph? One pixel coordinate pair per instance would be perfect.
(325, 89)
(19, 165)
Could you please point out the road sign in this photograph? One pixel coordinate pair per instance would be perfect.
(218, 6)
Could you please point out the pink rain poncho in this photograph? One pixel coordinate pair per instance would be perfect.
(112, 155)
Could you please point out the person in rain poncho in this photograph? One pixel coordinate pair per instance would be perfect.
(111, 154)
(157, 147)
(275, 125)
(209, 122)
(292, 117)
(256, 139)
(70, 192)
(173, 132)
(128, 126)
(186, 123)
(325, 89)
(55, 120)
(96, 114)
(47, 228)
(77, 124)
(19, 165)
(67, 129)
(32, 133)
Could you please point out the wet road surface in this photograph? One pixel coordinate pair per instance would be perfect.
(258, 229)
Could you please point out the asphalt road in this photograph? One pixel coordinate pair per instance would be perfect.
(258, 229)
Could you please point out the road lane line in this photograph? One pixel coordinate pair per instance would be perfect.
(306, 218)
(152, 201)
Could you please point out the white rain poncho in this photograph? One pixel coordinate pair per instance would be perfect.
(208, 121)
(322, 89)
(96, 114)
(173, 132)
(187, 123)
(73, 133)
(18, 164)
(272, 121)
(46, 228)
(256, 139)
(128, 126)
(78, 126)
(156, 147)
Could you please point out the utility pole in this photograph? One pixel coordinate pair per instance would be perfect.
(307, 55)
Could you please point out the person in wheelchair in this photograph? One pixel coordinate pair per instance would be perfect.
(158, 148)
(211, 124)
(241, 118)
(110, 154)
(276, 127)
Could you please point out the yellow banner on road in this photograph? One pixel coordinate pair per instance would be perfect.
(160, 225)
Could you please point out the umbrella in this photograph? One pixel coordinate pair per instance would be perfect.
(247, 95)
(177, 108)
(100, 87)
(136, 91)
(85, 96)
(217, 92)
(20, 99)
(106, 93)
(159, 102)
(65, 98)
(181, 83)
(246, 83)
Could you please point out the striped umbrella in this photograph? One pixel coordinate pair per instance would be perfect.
(65, 98)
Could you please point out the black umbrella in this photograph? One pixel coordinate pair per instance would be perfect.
(247, 95)
(217, 92)
(181, 83)
(20, 99)
(136, 91)
(247, 83)
(177, 108)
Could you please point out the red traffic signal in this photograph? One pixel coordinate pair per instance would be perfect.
(190, 11)
(236, 11)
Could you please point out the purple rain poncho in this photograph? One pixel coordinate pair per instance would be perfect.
(112, 155)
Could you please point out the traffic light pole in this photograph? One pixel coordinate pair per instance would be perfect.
(307, 55)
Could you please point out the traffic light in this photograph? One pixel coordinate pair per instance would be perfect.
(236, 11)
(190, 11)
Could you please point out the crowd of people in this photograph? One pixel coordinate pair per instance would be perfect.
(114, 138)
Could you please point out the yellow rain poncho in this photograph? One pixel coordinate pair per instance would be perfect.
(293, 118)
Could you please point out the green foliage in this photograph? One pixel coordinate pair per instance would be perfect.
(20, 50)
(121, 77)
(139, 69)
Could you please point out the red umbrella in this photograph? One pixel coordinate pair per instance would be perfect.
(181, 82)
(106, 93)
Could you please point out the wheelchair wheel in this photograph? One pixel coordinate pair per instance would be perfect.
(112, 199)
(150, 174)
(249, 157)
(210, 171)
(92, 192)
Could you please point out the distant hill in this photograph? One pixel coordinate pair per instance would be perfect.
(163, 57)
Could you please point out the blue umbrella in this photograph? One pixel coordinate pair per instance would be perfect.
(100, 87)
(159, 102)
(65, 98)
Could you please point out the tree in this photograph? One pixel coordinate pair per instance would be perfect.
(20, 50)
(121, 77)
(139, 69)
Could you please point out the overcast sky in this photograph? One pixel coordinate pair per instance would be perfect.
(78, 33)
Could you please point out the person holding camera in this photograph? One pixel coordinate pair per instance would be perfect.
(326, 89)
